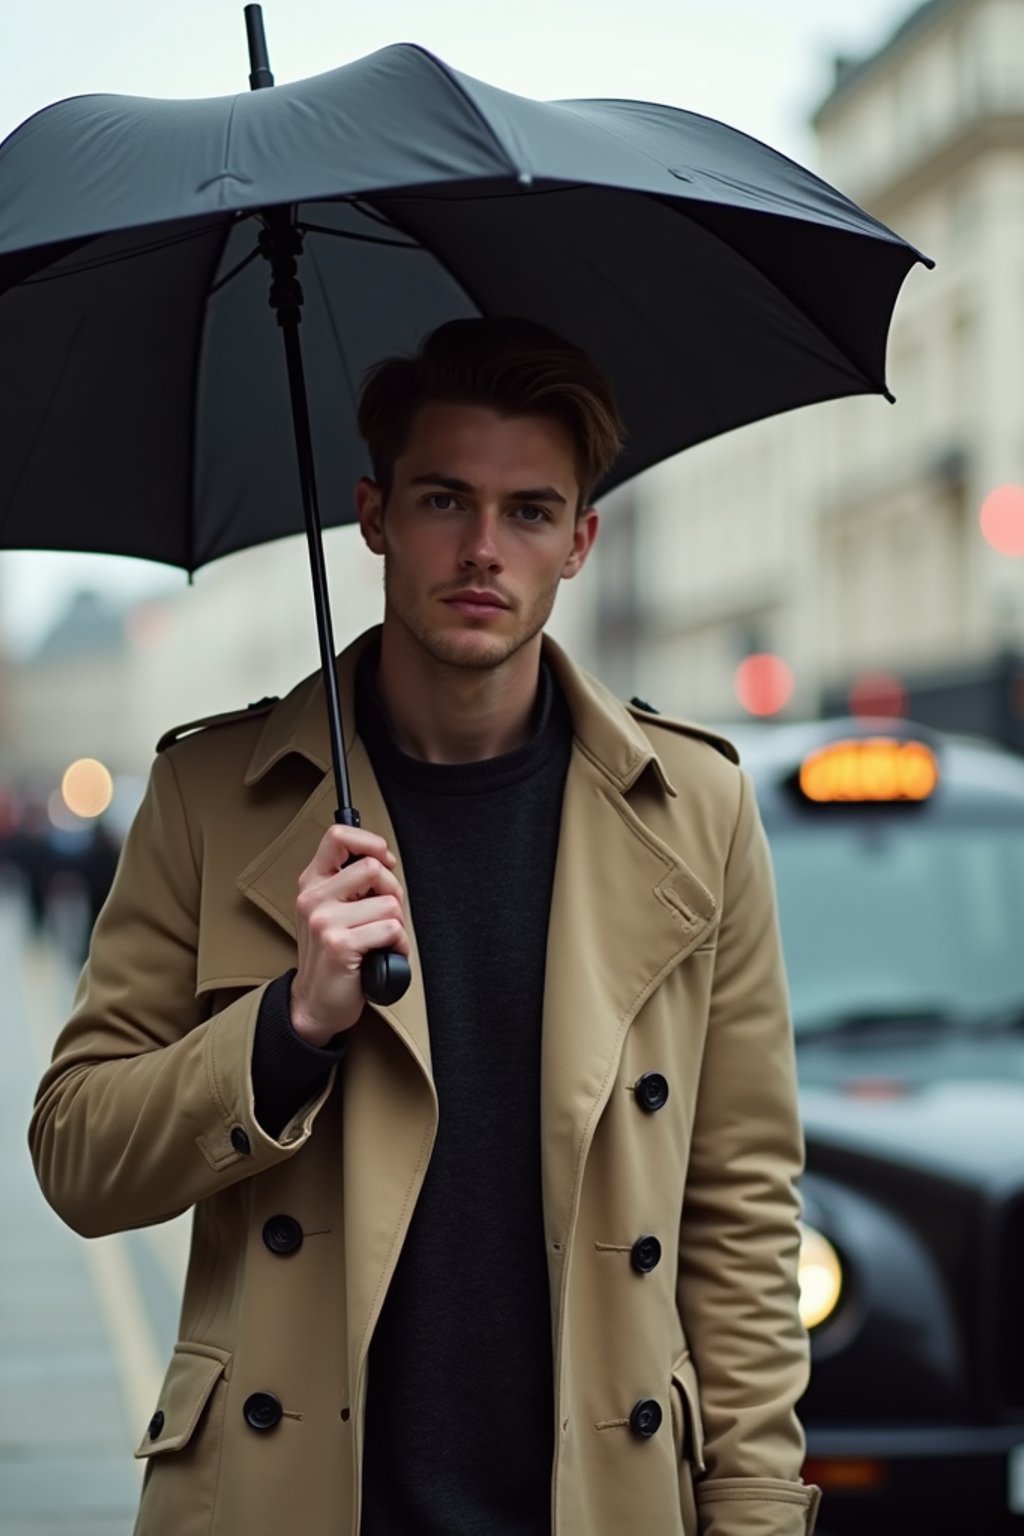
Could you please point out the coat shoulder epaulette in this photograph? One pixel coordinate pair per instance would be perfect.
(261, 707)
(641, 710)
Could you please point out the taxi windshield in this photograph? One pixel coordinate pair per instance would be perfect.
(883, 917)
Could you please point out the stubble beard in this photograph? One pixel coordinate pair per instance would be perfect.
(448, 649)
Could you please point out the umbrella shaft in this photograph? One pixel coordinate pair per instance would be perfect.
(289, 321)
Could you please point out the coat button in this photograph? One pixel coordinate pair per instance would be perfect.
(239, 1140)
(651, 1091)
(645, 1255)
(282, 1234)
(156, 1424)
(645, 1420)
(262, 1411)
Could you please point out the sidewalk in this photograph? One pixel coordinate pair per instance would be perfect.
(85, 1327)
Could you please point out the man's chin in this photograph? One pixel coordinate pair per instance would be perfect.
(468, 648)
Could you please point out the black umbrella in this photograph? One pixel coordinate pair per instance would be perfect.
(714, 280)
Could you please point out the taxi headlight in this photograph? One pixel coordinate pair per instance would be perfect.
(821, 1277)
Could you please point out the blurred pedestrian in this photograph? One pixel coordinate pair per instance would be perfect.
(29, 849)
(453, 1276)
(97, 865)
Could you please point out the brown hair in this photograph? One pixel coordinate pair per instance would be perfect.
(513, 366)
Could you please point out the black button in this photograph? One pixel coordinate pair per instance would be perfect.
(239, 1140)
(645, 1255)
(262, 1411)
(651, 1091)
(645, 1420)
(156, 1424)
(282, 1234)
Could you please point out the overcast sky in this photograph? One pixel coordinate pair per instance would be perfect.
(759, 64)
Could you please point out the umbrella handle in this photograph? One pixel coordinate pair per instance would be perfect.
(385, 973)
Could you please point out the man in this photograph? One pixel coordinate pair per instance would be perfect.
(515, 1256)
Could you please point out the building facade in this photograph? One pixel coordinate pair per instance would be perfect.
(845, 536)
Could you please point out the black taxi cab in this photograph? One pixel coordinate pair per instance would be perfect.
(899, 866)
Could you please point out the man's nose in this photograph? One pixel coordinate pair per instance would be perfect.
(481, 545)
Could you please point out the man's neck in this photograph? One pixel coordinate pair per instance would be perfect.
(449, 714)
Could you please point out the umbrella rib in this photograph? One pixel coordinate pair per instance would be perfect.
(55, 391)
(442, 262)
(677, 204)
(238, 267)
(349, 234)
(197, 363)
(369, 212)
(334, 328)
(494, 197)
(816, 325)
(111, 261)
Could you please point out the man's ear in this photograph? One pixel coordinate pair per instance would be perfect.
(370, 510)
(583, 536)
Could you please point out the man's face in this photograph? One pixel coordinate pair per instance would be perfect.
(481, 505)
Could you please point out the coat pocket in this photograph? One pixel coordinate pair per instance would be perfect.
(181, 1446)
(687, 1425)
(192, 1375)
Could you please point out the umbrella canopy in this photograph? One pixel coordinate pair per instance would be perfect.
(715, 281)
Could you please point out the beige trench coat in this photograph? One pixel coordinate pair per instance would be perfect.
(664, 958)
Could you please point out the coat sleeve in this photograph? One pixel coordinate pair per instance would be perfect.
(739, 1237)
(147, 1105)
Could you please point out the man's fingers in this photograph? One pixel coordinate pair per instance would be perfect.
(367, 877)
(339, 844)
(357, 914)
(387, 934)
(334, 925)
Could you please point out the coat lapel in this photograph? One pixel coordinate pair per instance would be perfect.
(625, 910)
(270, 881)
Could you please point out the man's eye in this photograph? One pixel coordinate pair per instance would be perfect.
(533, 514)
(436, 496)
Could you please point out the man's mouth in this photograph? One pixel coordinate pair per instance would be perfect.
(477, 604)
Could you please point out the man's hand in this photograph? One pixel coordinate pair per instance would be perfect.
(341, 914)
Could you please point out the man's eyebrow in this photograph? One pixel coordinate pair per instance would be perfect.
(532, 493)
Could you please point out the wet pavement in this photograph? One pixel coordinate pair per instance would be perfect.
(85, 1326)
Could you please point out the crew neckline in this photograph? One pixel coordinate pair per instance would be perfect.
(551, 723)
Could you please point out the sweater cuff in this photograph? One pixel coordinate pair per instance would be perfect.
(286, 1070)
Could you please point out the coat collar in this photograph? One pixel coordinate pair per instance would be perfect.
(604, 729)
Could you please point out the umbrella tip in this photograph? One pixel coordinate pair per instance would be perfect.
(259, 60)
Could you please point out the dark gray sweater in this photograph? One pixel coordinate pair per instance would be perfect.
(460, 1419)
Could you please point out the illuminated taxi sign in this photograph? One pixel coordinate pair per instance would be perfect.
(871, 770)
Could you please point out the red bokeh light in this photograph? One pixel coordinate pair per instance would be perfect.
(878, 696)
(1002, 519)
(764, 684)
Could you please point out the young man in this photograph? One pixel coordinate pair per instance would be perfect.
(517, 1255)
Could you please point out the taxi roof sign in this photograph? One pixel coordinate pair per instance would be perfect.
(869, 770)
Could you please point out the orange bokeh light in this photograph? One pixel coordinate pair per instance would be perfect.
(87, 788)
(869, 770)
(878, 696)
(764, 684)
(1002, 519)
